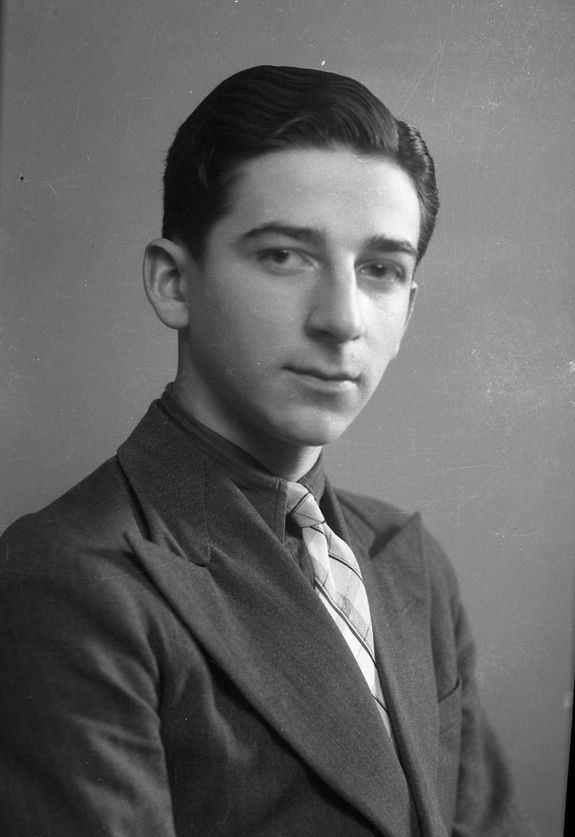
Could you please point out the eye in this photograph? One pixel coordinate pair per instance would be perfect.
(384, 272)
(283, 260)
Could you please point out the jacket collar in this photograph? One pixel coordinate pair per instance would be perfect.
(227, 576)
(265, 491)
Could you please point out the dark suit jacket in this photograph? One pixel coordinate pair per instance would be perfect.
(167, 669)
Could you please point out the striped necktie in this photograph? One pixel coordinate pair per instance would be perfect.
(339, 585)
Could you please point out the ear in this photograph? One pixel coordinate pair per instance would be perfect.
(412, 295)
(167, 267)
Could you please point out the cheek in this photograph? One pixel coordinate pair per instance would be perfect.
(386, 331)
(249, 341)
(245, 307)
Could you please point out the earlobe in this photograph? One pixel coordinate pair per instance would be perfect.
(166, 267)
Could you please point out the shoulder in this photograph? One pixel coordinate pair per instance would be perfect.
(68, 572)
(82, 530)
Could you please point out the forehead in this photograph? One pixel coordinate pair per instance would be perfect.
(337, 191)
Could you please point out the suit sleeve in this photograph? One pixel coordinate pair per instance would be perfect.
(485, 801)
(80, 745)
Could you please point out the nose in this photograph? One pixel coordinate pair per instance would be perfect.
(335, 312)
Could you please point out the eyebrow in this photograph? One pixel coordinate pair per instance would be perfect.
(310, 235)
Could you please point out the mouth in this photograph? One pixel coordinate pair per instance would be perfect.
(331, 380)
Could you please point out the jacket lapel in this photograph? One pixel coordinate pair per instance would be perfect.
(231, 582)
(396, 581)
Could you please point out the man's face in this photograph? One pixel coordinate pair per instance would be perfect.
(301, 300)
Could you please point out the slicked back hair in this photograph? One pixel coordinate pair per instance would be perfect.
(267, 109)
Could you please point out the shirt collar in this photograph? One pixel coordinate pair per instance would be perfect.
(264, 490)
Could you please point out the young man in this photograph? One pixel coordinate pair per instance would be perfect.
(204, 637)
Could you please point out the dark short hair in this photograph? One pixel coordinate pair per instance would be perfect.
(266, 109)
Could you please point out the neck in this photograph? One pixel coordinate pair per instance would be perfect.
(292, 465)
(291, 462)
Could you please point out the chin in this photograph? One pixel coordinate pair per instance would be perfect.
(316, 431)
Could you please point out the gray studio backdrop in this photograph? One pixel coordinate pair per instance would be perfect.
(471, 425)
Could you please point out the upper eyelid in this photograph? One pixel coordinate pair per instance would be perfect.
(296, 259)
(270, 249)
(393, 264)
(263, 251)
(295, 246)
